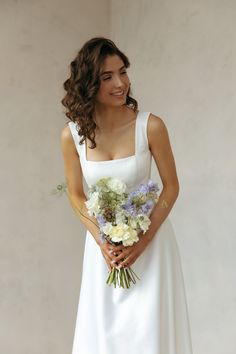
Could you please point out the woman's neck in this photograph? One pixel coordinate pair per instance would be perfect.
(109, 118)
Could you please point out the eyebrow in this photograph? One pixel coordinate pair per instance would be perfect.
(110, 72)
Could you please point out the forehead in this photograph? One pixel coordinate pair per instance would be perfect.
(112, 62)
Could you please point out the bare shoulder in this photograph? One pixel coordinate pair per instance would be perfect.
(67, 142)
(156, 130)
(66, 134)
(72, 166)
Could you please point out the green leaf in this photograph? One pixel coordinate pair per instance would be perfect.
(60, 189)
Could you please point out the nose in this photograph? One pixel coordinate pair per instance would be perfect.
(118, 81)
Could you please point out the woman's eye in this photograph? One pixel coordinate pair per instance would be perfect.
(106, 78)
(124, 72)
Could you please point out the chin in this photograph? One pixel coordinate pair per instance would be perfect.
(119, 102)
(114, 102)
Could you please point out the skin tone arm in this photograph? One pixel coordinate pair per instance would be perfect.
(76, 195)
(160, 147)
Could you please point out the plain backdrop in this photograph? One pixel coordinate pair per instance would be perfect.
(182, 58)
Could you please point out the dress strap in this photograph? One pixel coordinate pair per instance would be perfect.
(76, 137)
(142, 139)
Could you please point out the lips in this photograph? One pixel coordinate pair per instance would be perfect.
(118, 93)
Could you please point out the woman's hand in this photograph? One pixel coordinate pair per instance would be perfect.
(110, 253)
(128, 255)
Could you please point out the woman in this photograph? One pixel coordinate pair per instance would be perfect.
(108, 136)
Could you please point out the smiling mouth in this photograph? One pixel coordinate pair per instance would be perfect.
(120, 93)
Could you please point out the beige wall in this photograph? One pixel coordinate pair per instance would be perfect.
(183, 56)
(41, 240)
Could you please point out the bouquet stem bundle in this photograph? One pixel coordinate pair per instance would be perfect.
(122, 277)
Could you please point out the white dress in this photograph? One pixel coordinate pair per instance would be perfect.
(151, 317)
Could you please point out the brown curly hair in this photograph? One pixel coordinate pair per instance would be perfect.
(84, 82)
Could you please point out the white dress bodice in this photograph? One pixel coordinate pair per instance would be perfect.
(133, 170)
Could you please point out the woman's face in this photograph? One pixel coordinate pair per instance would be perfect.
(115, 82)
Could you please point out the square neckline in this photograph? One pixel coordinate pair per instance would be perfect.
(122, 158)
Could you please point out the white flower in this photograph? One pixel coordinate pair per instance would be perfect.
(116, 185)
(118, 232)
(93, 204)
(120, 217)
(107, 228)
(133, 237)
(123, 233)
(144, 222)
(133, 223)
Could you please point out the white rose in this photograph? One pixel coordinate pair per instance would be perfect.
(118, 232)
(93, 204)
(125, 234)
(116, 185)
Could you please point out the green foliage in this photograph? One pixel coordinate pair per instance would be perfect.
(60, 189)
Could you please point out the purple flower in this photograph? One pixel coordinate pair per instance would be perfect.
(101, 220)
(102, 237)
(152, 186)
(150, 203)
(130, 208)
(143, 189)
(147, 207)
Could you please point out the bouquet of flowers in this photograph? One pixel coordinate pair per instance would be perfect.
(121, 216)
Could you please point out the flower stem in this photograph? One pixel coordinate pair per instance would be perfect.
(122, 277)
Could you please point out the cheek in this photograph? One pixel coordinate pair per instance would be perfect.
(127, 80)
(103, 93)
(103, 89)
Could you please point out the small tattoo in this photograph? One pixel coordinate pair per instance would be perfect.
(164, 204)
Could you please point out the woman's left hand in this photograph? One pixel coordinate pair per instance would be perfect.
(129, 254)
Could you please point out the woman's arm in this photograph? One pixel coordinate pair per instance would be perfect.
(74, 180)
(76, 195)
(160, 147)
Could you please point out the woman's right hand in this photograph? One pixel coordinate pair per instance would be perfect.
(110, 252)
